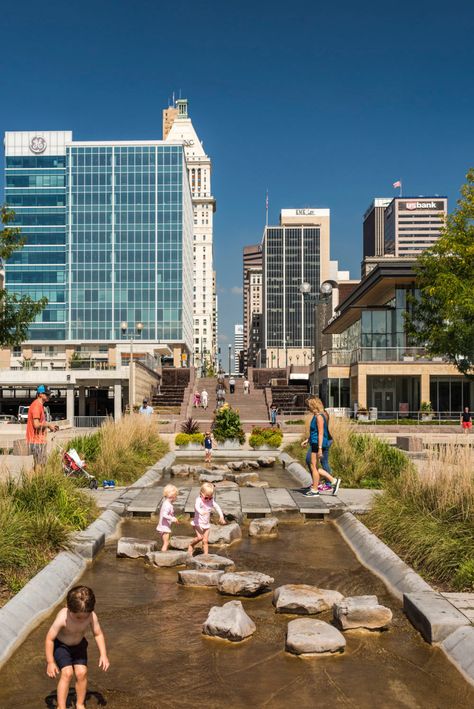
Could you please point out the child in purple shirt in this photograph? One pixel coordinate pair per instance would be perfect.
(170, 493)
(203, 507)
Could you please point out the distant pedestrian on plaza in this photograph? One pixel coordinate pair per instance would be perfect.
(66, 645)
(246, 386)
(466, 419)
(197, 399)
(231, 385)
(204, 399)
(208, 446)
(320, 441)
(170, 493)
(273, 414)
(37, 428)
(145, 408)
(220, 397)
(221, 378)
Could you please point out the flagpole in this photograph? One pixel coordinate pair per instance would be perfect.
(266, 210)
(400, 188)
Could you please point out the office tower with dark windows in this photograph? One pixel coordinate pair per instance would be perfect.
(413, 224)
(252, 300)
(295, 252)
(373, 227)
(108, 228)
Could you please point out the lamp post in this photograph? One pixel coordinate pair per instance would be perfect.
(322, 297)
(287, 339)
(131, 369)
(230, 358)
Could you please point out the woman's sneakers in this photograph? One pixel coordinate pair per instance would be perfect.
(312, 492)
(336, 485)
(324, 487)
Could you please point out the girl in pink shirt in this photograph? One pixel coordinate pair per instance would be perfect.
(170, 493)
(203, 507)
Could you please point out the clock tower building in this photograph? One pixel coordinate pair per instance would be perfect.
(178, 128)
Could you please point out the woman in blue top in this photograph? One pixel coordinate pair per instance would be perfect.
(320, 440)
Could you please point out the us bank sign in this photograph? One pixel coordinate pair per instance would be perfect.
(414, 205)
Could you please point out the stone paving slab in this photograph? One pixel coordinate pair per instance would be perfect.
(464, 602)
(310, 505)
(193, 494)
(358, 501)
(280, 500)
(147, 501)
(229, 500)
(182, 499)
(254, 500)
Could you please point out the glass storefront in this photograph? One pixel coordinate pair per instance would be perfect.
(451, 393)
(391, 395)
(336, 393)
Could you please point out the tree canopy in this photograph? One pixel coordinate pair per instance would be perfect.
(442, 317)
(16, 313)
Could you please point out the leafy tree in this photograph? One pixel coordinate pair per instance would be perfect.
(442, 316)
(16, 313)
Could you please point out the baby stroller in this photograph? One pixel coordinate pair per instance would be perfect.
(75, 467)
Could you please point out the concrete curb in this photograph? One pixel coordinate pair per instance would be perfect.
(30, 606)
(379, 558)
(297, 471)
(433, 615)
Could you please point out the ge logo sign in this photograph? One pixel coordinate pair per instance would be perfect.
(37, 144)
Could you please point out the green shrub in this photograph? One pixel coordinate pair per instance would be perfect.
(87, 446)
(266, 437)
(295, 422)
(227, 425)
(464, 578)
(182, 439)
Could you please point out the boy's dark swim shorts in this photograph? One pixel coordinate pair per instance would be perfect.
(65, 655)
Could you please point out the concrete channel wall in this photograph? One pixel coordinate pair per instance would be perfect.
(30, 606)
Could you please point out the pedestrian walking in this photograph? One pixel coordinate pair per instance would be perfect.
(246, 386)
(466, 419)
(145, 409)
(273, 414)
(204, 399)
(197, 399)
(231, 385)
(37, 428)
(320, 441)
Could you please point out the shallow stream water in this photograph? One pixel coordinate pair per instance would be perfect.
(160, 659)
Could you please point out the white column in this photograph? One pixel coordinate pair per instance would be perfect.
(70, 405)
(117, 402)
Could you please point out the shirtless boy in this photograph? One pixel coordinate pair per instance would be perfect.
(66, 645)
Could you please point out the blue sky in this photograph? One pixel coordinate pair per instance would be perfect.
(325, 104)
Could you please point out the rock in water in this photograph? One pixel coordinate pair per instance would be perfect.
(236, 465)
(203, 577)
(265, 462)
(229, 621)
(243, 478)
(258, 483)
(227, 485)
(168, 558)
(362, 612)
(210, 561)
(244, 583)
(253, 464)
(225, 533)
(180, 471)
(180, 543)
(308, 636)
(210, 478)
(304, 599)
(264, 527)
(135, 548)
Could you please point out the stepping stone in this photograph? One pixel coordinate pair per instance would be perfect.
(227, 485)
(258, 483)
(243, 478)
(210, 561)
(266, 462)
(180, 542)
(254, 501)
(146, 502)
(135, 548)
(168, 558)
(253, 464)
(308, 636)
(244, 583)
(229, 621)
(362, 612)
(199, 577)
(236, 465)
(225, 534)
(280, 500)
(265, 527)
(210, 478)
(180, 471)
(304, 599)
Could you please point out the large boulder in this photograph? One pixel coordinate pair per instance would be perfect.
(253, 464)
(135, 548)
(362, 612)
(224, 533)
(168, 558)
(264, 527)
(180, 542)
(243, 478)
(265, 461)
(180, 471)
(211, 478)
(244, 583)
(304, 599)
(308, 636)
(229, 621)
(236, 465)
(210, 561)
(199, 577)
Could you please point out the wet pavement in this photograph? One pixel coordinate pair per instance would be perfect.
(159, 658)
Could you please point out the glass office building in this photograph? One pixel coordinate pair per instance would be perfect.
(108, 228)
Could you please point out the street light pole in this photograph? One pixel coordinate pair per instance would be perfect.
(323, 296)
(230, 358)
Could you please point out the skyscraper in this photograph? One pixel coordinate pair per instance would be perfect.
(294, 252)
(109, 229)
(373, 227)
(204, 206)
(413, 224)
(252, 291)
(238, 346)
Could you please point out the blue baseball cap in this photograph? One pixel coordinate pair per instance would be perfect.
(42, 389)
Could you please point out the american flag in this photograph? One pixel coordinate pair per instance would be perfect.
(398, 183)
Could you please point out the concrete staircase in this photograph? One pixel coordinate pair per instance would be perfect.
(252, 407)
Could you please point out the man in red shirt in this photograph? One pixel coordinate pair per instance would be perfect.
(37, 427)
